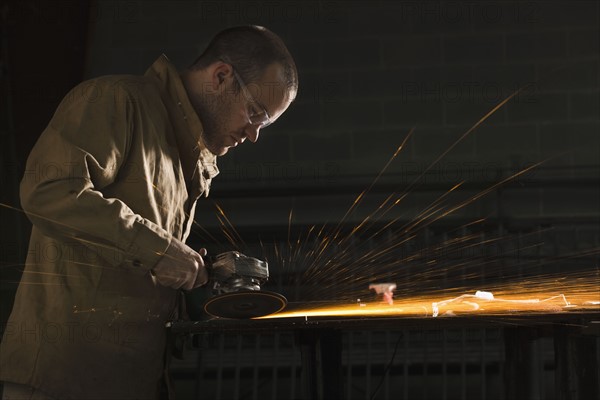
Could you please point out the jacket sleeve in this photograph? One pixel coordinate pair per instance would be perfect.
(77, 155)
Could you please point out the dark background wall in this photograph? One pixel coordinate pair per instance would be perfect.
(44, 45)
(370, 71)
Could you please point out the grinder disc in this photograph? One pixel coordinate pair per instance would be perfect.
(245, 304)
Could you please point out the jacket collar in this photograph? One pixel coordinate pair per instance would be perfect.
(167, 74)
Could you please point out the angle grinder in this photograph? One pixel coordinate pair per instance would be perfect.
(235, 280)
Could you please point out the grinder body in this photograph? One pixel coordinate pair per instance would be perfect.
(233, 271)
(235, 280)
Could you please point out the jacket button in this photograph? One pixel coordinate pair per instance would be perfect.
(137, 263)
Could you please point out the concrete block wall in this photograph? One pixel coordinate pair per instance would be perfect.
(371, 71)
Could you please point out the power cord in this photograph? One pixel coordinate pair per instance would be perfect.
(387, 368)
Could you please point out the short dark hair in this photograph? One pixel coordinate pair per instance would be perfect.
(250, 49)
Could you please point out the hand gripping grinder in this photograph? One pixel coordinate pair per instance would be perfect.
(236, 279)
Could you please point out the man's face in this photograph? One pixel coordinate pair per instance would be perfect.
(230, 117)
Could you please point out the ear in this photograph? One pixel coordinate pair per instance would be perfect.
(220, 74)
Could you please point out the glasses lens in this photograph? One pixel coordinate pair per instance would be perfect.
(261, 119)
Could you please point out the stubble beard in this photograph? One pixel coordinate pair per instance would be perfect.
(213, 115)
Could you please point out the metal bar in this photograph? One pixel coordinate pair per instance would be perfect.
(331, 358)
(349, 348)
(236, 373)
(425, 364)
(444, 365)
(230, 190)
(463, 367)
(256, 368)
(519, 368)
(275, 367)
(406, 363)
(388, 343)
(321, 362)
(199, 370)
(293, 370)
(482, 363)
(310, 374)
(368, 363)
(220, 367)
(577, 365)
(537, 370)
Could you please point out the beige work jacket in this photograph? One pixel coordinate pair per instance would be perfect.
(105, 190)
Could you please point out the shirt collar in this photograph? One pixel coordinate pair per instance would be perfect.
(168, 75)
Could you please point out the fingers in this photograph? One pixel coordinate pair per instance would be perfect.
(192, 271)
(202, 274)
(181, 267)
(201, 277)
(192, 274)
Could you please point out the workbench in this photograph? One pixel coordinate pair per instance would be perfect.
(575, 335)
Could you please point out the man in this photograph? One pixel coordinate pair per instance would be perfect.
(110, 187)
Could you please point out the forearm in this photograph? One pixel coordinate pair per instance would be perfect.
(70, 209)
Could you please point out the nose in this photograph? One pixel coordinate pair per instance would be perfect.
(252, 132)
